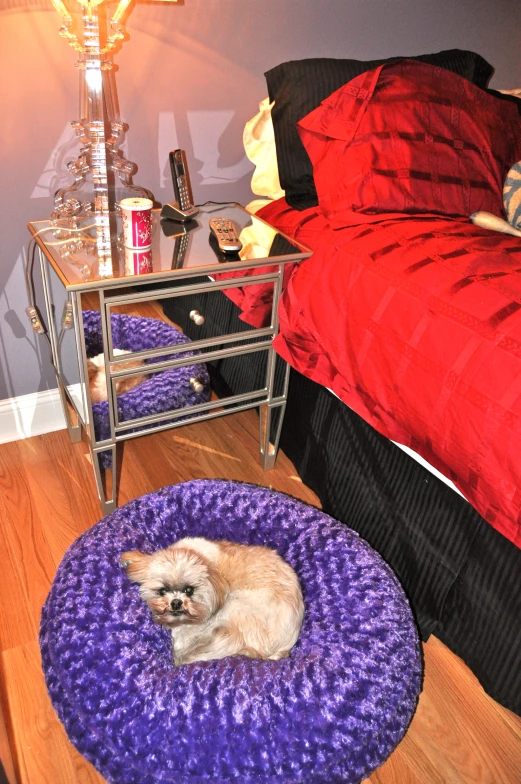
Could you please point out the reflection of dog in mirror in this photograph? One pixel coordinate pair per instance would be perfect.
(98, 380)
(220, 599)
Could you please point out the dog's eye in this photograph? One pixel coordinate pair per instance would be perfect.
(162, 592)
(189, 590)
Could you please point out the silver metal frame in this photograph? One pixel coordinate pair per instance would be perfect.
(271, 406)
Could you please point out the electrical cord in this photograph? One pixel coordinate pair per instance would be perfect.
(219, 204)
(32, 311)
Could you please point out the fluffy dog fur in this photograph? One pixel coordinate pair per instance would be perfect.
(98, 380)
(220, 599)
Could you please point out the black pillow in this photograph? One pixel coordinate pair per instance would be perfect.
(299, 86)
(505, 97)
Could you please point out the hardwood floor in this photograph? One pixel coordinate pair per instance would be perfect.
(458, 735)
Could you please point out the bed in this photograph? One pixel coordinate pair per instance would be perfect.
(403, 328)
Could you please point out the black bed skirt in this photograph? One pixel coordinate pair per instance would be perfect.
(462, 577)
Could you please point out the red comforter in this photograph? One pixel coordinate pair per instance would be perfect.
(415, 323)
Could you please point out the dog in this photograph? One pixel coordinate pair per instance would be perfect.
(220, 599)
(98, 379)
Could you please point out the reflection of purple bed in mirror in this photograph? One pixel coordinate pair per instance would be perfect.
(159, 393)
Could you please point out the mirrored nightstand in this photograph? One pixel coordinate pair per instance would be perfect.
(81, 289)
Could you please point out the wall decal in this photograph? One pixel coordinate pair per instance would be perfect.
(166, 141)
(55, 174)
(206, 129)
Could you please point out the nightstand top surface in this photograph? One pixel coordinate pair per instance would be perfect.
(177, 250)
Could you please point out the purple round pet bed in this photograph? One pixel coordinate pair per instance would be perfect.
(329, 714)
(161, 392)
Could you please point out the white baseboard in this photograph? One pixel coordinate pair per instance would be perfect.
(30, 415)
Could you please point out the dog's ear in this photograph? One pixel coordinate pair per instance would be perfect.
(136, 564)
(220, 587)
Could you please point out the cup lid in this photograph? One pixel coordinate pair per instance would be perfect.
(136, 203)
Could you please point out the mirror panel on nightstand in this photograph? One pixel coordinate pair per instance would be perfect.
(62, 322)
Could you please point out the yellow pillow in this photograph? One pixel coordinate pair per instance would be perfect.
(259, 144)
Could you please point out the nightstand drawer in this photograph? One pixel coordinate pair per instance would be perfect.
(231, 375)
(207, 314)
(233, 382)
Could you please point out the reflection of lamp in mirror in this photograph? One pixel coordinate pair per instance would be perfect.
(102, 175)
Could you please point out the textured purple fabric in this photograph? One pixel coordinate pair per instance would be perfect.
(329, 714)
(162, 392)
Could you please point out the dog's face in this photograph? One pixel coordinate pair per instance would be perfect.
(178, 585)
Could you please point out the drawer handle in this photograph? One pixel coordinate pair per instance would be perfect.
(196, 384)
(197, 317)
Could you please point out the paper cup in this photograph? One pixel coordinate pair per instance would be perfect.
(138, 262)
(136, 217)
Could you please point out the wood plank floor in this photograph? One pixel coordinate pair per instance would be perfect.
(48, 498)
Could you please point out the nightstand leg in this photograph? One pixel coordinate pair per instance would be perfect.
(73, 429)
(271, 417)
(107, 479)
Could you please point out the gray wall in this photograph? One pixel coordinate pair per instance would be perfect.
(188, 76)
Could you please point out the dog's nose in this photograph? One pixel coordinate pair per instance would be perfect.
(176, 604)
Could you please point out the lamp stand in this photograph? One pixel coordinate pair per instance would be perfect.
(102, 175)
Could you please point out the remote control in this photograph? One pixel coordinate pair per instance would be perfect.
(226, 234)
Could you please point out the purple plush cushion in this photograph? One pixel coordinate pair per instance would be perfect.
(160, 393)
(329, 714)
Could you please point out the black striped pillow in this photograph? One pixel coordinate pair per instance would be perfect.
(299, 86)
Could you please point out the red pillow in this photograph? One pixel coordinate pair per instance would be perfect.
(410, 138)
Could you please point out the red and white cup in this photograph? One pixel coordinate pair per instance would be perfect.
(138, 262)
(136, 217)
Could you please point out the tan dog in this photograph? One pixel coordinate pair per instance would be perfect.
(98, 379)
(220, 599)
